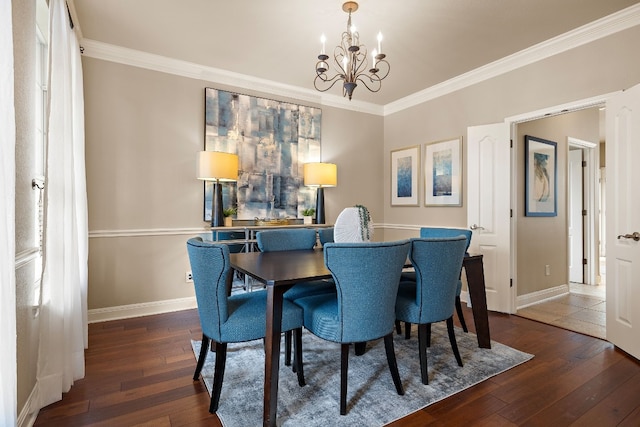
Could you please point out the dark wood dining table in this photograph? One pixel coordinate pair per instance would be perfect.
(280, 270)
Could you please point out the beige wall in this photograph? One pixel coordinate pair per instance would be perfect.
(591, 70)
(24, 39)
(143, 132)
(544, 240)
(144, 129)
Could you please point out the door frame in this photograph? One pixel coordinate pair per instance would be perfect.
(513, 121)
(591, 154)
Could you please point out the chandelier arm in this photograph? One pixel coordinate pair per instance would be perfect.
(335, 79)
(372, 81)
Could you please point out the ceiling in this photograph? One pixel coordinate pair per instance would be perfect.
(426, 41)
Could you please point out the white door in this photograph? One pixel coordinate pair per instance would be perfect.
(623, 220)
(488, 208)
(576, 255)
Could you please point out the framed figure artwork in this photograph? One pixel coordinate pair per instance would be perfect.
(405, 172)
(443, 173)
(541, 169)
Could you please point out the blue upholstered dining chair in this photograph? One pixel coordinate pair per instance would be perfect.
(366, 275)
(325, 235)
(293, 239)
(408, 277)
(231, 319)
(437, 263)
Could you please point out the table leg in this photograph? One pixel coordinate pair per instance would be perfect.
(272, 354)
(477, 293)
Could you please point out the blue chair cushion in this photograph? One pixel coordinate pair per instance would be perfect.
(247, 317)
(409, 279)
(321, 316)
(306, 289)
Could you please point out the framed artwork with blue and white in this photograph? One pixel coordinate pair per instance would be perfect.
(405, 176)
(541, 169)
(273, 140)
(443, 173)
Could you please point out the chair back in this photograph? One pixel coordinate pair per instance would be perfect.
(294, 239)
(367, 276)
(428, 232)
(325, 235)
(210, 269)
(437, 263)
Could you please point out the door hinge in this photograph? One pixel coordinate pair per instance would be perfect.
(511, 143)
(584, 212)
(511, 283)
(510, 213)
(584, 261)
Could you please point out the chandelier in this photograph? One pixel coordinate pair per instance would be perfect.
(351, 62)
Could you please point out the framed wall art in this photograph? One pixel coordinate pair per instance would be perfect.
(405, 176)
(443, 173)
(273, 140)
(541, 169)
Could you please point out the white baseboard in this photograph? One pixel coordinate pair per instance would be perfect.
(523, 301)
(143, 309)
(28, 415)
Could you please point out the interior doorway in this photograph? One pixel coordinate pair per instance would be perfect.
(578, 302)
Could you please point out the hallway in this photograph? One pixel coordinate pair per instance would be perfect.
(583, 310)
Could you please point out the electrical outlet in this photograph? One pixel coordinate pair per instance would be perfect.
(547, 270)
(188, 277)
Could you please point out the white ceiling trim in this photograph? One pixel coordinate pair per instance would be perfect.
(163, 64)
(616, 22)
(595, 30)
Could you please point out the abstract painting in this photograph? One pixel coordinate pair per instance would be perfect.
(405, 170)
(540, 177)
(273, 141)
(443, 173)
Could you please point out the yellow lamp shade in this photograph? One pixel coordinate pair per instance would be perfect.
(320, 174)
(217, 166)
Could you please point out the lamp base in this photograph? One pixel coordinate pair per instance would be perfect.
(217, 219)
(320, 206)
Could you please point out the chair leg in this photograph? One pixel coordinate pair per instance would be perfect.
(407, 330)
(422, 349)
(398, 327)
(218, 376)
(393, 366)
(460, 315)
(344, 369)
(452, 339)
(428, 334)
(360, 348)
(287, 348)
(297, 357)
(204, 349)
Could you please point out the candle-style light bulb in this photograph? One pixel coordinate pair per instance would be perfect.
(323, 39)
(374, 53)
(379, 40)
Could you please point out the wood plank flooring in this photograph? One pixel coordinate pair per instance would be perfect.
(138, 373)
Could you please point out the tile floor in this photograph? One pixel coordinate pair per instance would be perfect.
(582, 310)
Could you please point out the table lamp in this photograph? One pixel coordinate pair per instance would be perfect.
(320, 175)
(217, 167)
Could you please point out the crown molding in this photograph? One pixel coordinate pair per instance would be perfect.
(603, 27)
(616, 22)
(163, 64)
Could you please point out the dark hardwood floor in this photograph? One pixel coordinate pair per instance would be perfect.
(138, 373)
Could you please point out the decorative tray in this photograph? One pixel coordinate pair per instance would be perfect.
(269, 221)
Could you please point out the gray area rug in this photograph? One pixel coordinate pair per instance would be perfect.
(371, 397)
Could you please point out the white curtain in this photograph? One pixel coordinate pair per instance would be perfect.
(8, 384)
(63, 322)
